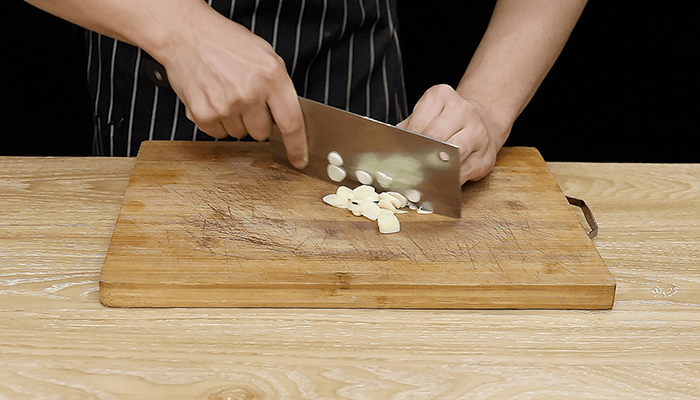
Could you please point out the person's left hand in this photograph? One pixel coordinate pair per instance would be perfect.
(444, 114)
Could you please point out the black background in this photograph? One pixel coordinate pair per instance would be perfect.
(625, 88)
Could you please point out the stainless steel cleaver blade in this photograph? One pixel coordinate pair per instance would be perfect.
(364, 150)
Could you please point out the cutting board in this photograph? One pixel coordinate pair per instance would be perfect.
(220, 224)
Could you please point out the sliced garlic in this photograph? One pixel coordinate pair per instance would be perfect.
(370, 210)
(355, 209)
(391, 199)
(344, 191)
(336, 173)
(388, 224)
(385, 204)
(384, 179)
(363, 192)
(399, 197)
(363, 177)
(382, 207)
(335, 159)
(373, 197)
(367, 201)
(413, 195)
(336, 201)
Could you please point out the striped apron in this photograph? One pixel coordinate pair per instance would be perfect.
(344, 53)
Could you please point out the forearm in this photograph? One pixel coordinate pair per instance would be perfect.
(521, 43)
(152, 25)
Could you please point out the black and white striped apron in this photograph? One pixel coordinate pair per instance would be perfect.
(341, 52)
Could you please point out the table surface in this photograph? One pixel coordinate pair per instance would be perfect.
(57, 341)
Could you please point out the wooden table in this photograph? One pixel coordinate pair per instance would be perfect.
(57, 341)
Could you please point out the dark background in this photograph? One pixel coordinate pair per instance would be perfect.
(624, 89)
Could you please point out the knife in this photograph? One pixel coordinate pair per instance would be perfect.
(363, 150)
(350, 149)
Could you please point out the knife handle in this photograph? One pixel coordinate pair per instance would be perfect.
(155, 70)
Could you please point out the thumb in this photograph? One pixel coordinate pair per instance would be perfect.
(404, 124)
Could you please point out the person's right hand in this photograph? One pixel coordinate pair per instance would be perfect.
(233, 83)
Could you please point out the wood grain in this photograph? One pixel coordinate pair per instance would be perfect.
(219, 224)
(58, 342)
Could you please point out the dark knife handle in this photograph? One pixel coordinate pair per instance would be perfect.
(155, 70)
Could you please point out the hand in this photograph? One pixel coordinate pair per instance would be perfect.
(233, 83)
(445, 115)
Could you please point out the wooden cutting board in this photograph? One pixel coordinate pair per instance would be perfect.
(219, 224)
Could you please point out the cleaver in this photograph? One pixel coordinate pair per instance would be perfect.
(362, 150)
(349, 149)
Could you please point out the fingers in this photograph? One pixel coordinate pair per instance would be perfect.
(477, 157)
(233, 83)
(287, 114)
(443, 114)
(257, 122)
(404, 124)
(219, 128)
(477, 165)
(234, 127)
(213, 128)
(440, 113)
(428, 107)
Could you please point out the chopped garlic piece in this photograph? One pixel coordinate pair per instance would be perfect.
(336, 201)
(335, 159)
(413, 195)
(363, 177)
(385, 204)
(370, 210)
(399, 197)
(363, 192)
(355, 209)
(391, 199)
(388, 224)
(384, 179)
(344, 191)
(336, 173)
